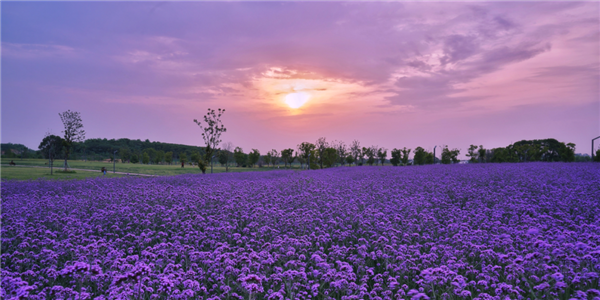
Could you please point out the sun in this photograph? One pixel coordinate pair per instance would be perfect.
(296, 100)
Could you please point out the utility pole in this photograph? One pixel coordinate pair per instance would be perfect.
(114, 160)
(593, 147)
(308, 167)
(434, 154)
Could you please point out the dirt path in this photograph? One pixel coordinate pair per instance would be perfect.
(87, 170)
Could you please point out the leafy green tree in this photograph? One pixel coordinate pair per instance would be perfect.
(450, 156)
(567, 153)
(350, 159)
(169, 157)
(151, 153)
(420, 157)
(382, 155)
(160, 156)
(223, 157)
(134, 158)
(540, 150)
(145, 158)
(240, 157)
(287, 155)
(482, 154)
(396, 157)
(500, 155)
(472, 153)
(370, 153)
(211, 134)
(597, 156)
(304, 150)
(405, 154)
(253, 157)
(73, 131)
(321, 145)
(267, 158)
(124, 154)
(51, 146)
(330, 157)
(182, 159)
(196, 158)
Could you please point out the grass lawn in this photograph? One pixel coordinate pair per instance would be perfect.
(21, 173)
(10, 172)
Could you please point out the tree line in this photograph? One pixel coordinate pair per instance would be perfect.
(317, 155)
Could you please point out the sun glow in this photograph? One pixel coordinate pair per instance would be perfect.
(296, 100)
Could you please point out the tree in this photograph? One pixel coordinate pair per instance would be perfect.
(223, 158)
(73, 131)
(330, 157)
(405, 154)
(125, 154)
(160, 156)
(134, 158)
(151, 152)
(396, 157)
(253, 157)
(597, 156)
(450, 156)
(370, 153)
(195, 158)
(342, 151)
(321, 145)
(568, 153)
(304, 151)
(240, 157)
(145, 158)
(287, 156)
(182, 159)
(228, 148)
(274, 156)
(349, 159)
(472, 153)
(267, 158)
(51, 146)
(382, 155)
(420, 156)
(169, 157)
(482, 154)
(355, 149)
(211, 135)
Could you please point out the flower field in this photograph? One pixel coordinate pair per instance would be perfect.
(482, 231)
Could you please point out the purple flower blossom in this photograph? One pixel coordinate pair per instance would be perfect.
(480, 231)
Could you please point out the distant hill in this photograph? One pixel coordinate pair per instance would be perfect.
(101, 149)
(97, 149)
(11, 150)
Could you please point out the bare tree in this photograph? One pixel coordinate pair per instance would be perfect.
(356, 150)
(211, 135)
(342, 151)
(73, 131)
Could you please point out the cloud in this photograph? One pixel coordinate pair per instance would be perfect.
(355, 58)
(36, 51)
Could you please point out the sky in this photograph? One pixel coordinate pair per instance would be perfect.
(391, 74)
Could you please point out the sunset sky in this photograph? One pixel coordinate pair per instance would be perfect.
(393, 74)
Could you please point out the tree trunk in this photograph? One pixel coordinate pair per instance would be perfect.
(66, 157)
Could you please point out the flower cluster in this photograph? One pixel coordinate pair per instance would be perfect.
(484, 231)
